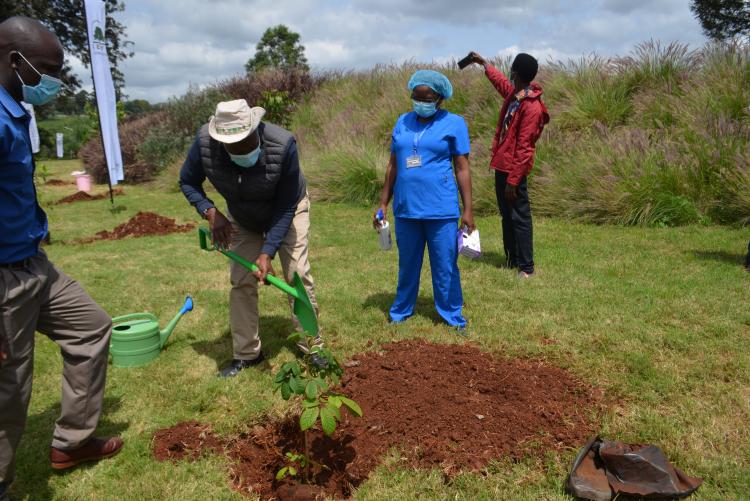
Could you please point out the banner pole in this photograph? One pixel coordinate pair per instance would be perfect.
(98, 112)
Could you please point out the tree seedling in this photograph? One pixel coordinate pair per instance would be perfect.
(310, 383)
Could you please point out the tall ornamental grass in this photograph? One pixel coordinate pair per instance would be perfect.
(660, 137)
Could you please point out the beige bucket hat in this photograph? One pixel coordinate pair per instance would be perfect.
(234, 120)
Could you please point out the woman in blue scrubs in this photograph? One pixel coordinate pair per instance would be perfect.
(428, 146)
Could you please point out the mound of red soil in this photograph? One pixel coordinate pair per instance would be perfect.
(453, 407)
(58, 182)
(190, 439)
(144, 224)
(83, 196)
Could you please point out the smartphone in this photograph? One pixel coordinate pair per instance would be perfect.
(463, 63)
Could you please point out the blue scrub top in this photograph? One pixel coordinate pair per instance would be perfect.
(428, 191)
(23, 223)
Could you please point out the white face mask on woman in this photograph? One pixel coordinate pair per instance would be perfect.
(423, 109)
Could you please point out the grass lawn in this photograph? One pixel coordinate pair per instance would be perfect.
(658, 318)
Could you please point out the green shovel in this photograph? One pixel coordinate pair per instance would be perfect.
(303, 308)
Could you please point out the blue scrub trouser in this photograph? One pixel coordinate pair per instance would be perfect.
(440, 236)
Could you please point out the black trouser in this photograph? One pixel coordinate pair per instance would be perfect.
(516, 219)
(747, 258)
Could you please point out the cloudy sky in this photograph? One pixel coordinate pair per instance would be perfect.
(184, 42)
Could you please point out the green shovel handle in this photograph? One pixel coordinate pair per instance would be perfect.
(204, 235)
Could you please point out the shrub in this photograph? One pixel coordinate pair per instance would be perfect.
(132, 135)
(152, 141)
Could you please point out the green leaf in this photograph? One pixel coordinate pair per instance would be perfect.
(321, 384)
(296, 369)
(280, 376)
(308, 418)
(311, 390)
(335, 411)
(293, 471)
(295, 337)
(287, 367)
(297, 385)
(334, 400)
(310, 402)
(286, 391)
(352, 405)
(282, 473)
(327, 420)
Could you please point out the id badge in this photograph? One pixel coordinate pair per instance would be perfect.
(413, 161)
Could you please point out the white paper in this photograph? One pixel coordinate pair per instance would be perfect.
(469, 244)
(104, 88)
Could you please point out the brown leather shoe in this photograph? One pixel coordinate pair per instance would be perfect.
(94, 450)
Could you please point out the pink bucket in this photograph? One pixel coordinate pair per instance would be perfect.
(83, 182)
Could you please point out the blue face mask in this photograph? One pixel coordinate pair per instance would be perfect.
(43, 92)
(248, 159)
(424, 110)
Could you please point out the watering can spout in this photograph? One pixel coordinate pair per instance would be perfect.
(164, 334)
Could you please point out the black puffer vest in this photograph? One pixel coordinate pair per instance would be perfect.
(249, 192)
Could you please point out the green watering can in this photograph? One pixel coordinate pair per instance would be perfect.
(303, 308)
(136, 338)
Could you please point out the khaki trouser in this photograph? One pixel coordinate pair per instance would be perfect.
(243, 298)
(42, 298)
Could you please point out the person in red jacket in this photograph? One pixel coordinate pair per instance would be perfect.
(521, 120)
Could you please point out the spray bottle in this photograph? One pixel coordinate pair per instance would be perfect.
(384, 232)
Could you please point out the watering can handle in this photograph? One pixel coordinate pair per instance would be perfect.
(204, 234)
(133, 316)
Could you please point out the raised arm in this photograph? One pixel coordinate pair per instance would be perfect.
(495, 76)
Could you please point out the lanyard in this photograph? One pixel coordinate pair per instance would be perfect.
(418, 136)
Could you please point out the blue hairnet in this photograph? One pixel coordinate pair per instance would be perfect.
(432, 79)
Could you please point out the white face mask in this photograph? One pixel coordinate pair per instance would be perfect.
(248, 159)
(43, 92)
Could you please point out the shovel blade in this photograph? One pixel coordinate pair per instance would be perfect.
(303, 308)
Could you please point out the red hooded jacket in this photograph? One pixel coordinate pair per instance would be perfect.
(514, 145)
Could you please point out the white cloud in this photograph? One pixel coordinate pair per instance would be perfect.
(199, 42)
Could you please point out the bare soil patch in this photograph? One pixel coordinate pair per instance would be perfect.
(82, 196)
(452, 407)
(141, 225)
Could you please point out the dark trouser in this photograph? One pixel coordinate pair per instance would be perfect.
(747, 258)
(517, 228)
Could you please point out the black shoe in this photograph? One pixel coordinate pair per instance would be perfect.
(4, 491)
(236, 366)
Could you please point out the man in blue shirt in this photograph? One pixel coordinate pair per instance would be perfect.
(254, 165)
(34, 295)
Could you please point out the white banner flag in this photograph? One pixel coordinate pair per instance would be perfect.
(33, 130)
(104, 88)
(59, 144)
